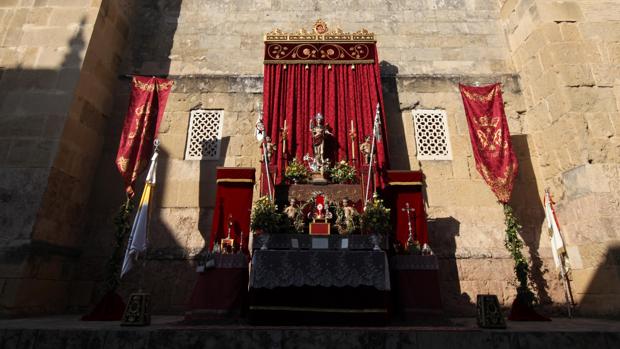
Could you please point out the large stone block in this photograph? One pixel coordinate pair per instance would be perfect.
(591, 99)
(559, 11)
(22, 189)
(574, 75)
(544, 86)
(570, 31)
(580, 52)
(599, 125)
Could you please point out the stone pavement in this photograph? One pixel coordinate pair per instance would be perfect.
(166, 332)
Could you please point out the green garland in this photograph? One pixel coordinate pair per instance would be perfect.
(514, 245)
(123, 228)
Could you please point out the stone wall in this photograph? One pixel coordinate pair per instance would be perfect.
(55, 97)
(425, 36)
(63, 107)
(567, 54)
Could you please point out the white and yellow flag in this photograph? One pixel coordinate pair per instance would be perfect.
(138, 239)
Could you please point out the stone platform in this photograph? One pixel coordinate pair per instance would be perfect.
(168, 332)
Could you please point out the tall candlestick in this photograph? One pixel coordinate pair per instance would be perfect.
(353, 136)
(284, 136)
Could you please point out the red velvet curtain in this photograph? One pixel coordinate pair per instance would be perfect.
(341, 92)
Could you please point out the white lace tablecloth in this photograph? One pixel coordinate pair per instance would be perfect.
(326, 268)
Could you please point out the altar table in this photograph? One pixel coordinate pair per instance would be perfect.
(319, 286)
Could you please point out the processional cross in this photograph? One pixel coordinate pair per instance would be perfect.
(408, 209)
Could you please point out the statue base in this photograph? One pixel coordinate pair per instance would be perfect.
(318, 178)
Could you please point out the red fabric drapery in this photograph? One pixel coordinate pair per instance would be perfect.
(233, 200)
(146, 107)
(342, 93)
(490, 138)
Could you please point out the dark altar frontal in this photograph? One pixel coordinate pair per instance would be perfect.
(302, 279)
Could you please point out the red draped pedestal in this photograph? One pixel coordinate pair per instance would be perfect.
(406, 187)
(233, 199)
(220, 290)
(415, 287)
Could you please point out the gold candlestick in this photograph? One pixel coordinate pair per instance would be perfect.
(353, 136)
(284, 134)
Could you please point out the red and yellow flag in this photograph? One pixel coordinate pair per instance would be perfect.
(146, 107)
(490, 138)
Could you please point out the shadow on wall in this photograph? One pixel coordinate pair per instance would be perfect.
(399, 159)
(442, 235)
(152, 41)
(35, 255)
(167, 268)
(600, 296)
(168, 272)
(530, 212)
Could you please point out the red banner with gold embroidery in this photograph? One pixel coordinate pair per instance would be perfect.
(146, 107)
(490, 138)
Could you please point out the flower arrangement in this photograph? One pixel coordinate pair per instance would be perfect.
(265, 217)
(347, 225)
(376, 218)
(296, 171)
(342, 172)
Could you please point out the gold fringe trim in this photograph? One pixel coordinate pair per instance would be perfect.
(361, 61)
(234, 180)
(405, 183)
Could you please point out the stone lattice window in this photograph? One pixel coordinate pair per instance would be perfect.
(431, 135)
(204, 135)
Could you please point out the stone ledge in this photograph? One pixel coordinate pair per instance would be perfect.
(65, 332)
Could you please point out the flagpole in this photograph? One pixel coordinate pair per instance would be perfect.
(138, 239)
(375, 127)
(266, 161)
(260, 136)
(150, 181)
(568, 295)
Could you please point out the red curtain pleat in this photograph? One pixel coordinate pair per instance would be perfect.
(341, 93)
